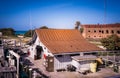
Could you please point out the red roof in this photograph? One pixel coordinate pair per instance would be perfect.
(65, 41)
(101, 25)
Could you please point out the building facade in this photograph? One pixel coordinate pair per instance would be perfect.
(99, 31)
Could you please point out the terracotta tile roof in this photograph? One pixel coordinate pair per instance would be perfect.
(100, 25)
(64, 40)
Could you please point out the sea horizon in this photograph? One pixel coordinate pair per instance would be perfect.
(20, 32)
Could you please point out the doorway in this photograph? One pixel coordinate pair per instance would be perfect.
(39, 52)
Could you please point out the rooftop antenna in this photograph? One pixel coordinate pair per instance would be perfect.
(30, 21)
(105, 3)
(104, 17)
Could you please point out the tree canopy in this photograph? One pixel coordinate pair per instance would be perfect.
(43, 27)
(81, 30)
(111, 42)
(77, 24)
(7, 31)
(29, 33)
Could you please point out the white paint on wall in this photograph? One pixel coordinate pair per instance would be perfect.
(61, 62)
(32, 48)
(81, 64)
(76, 64)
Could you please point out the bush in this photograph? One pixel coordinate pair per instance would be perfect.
(111, 42)
(7, 31)
(29, 33)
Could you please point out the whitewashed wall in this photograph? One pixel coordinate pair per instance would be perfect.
(31, 52)
(62, 62)
(32, 48)
(81, 64)
(84, 64)
(76, 64)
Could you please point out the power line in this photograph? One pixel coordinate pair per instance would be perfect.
(105, 9)
(30, 21)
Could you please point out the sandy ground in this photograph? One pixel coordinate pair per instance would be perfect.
(16, 41)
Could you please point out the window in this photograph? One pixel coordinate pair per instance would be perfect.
(88, 30)
(99, 31)
(102, 31)
(89, 36)
(59, 55)
(112, 31)
(94, 53)
(94, 31)
(118, 32)
(74, 55)
(94, 36)
(107, 31)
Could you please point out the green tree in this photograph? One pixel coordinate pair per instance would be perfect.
(29, 33)
(81, 30)
(7, 31)
(111, 42)
(43, 27)
(77, 24)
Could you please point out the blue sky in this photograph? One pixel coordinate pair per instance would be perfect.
(56, 13)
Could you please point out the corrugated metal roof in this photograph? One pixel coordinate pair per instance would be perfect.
(86, 57)
(64, 41)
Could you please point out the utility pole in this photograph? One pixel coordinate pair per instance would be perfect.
(30, 22)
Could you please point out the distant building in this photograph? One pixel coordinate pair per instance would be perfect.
(58, 46)
(98, 31)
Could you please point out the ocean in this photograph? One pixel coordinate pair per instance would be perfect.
(20, 32)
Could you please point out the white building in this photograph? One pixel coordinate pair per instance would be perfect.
(60, 45)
